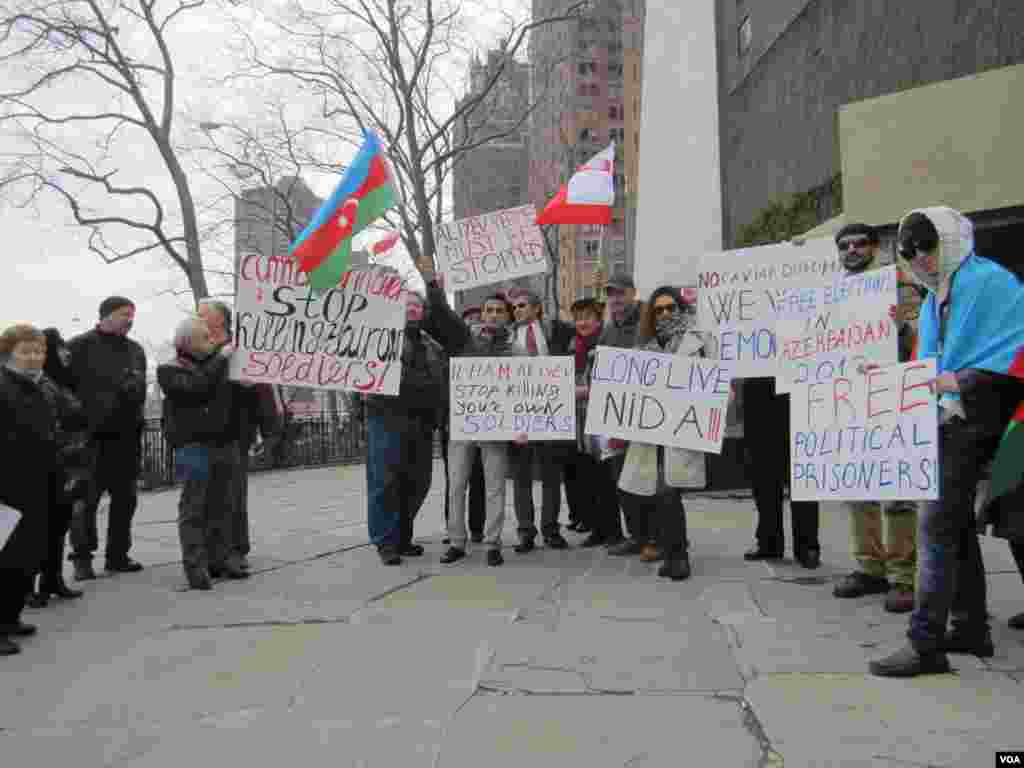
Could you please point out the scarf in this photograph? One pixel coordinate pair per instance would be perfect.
(670, 330)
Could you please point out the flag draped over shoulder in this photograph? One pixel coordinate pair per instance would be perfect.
(364, 193)
(588, 197)
(1007, 471)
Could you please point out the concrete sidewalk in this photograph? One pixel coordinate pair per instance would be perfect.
(559, 658)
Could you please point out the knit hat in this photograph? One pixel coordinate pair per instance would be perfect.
(113, 303)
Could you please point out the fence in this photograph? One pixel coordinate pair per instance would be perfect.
(307, 442)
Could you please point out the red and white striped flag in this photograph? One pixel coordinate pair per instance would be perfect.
(589, 195)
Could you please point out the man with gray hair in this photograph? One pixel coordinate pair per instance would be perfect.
(197, 414)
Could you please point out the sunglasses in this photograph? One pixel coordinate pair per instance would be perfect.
(858, 242)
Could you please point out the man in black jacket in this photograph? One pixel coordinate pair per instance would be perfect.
(109, 371)
(400, 444)
(197, 416)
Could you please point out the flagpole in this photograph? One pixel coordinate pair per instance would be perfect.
(599, 293)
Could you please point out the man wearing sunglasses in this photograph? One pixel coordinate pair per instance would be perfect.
(882, 536)
(538, 336)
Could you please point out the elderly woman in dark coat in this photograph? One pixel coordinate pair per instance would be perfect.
(28, 446)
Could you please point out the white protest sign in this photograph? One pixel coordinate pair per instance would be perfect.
(866, 436)
(347, 338)
(9, 518)
(491, 248)
(659, 399)
(499, 398)
(841, 325)
(742, 293)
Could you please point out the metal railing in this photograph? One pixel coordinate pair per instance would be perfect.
(305, 442)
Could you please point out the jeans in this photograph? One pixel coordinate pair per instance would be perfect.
(550, 458)
(495, 461)
(950, 571)
(883, 539)
(206, 512)
(116, 470)
(399, 465)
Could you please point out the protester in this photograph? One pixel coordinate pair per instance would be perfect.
(653, 476)
(253, 411)
(73, 467)
(622, 318)
(581, 488)
(886, 558)
(28, 443)
(972, 324)
(491, 338)
(197, 416)
(400, 445)
(538, 337)
(109, 373)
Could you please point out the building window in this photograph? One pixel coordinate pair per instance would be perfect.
(587, 68)
(613, 112)
(590, 248)
(744, 36)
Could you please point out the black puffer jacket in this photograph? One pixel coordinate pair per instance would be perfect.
(197, 406)
(424, 387)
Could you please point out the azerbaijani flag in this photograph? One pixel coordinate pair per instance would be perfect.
(364, 193)
(1007, 471)
(588, 197)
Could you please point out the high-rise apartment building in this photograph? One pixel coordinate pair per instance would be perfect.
(493, 176)
(579, 84)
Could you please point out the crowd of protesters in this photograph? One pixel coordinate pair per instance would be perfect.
(73, 414)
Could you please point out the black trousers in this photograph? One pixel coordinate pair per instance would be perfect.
(58, 525)
(476, 512)
(1017, 548)
(577, 474)
(768, 460)
(117, 473)
(607, 521)
(15, 584)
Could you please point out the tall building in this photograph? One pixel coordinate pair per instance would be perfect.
(493, 176)
(579, 87)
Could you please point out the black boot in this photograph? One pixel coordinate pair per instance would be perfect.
(962, 640)
(54, 585)
(676, 567)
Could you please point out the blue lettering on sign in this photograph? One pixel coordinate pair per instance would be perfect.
(865, 475)
(738, 346)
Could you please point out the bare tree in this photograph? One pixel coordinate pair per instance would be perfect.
(92, 78)
(385, 66)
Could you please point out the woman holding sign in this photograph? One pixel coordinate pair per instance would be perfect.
(653, 476)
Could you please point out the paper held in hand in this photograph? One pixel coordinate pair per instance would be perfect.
(659, 399)
(491, 248)
(9, 518)
(866, 437)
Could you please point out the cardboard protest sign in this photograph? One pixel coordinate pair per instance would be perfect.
(837, 327)
(742, 293)
(9, 519)
(659, 399)
(499, 398)
(347, 338)
(491, 248)
(866, 436)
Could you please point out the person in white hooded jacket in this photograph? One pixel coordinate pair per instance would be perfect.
(972, 323)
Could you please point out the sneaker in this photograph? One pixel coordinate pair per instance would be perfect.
(627, 548)
(556, 541)
(494, 557)
(127, 565)
(900, 599)
(453, 555)
(858, 584)
(907, 662)
(958, 641)
(525, 545)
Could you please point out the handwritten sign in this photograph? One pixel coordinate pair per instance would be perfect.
(742, 293)
(866, 436)
(491, 248)
(9, 518)
(348, 338)
(839, 326)
(659, 399)
(498, 398)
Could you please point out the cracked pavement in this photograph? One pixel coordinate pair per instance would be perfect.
(557, 658)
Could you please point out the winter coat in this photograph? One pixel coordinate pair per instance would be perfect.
(109, 372)
(198, 401)
(75, 450)
(683, 468)
(28, 446)
(423, 391)
(557, 335)
(460, 339)
(584, 442)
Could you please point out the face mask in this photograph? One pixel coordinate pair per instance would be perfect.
(667, 327)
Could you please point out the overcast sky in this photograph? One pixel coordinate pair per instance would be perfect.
(51, 278)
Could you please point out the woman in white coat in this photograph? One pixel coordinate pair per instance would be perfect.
(653, 476)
